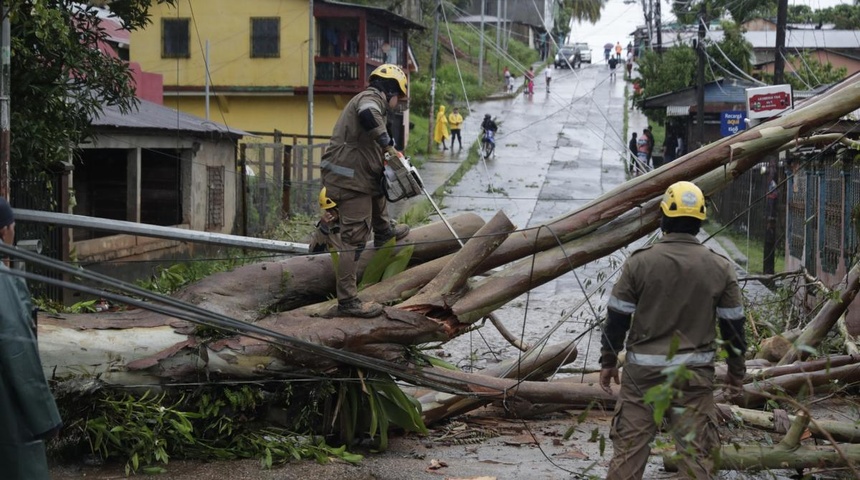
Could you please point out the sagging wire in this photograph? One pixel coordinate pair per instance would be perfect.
(456, 62)
(752, 79)
(176, 308)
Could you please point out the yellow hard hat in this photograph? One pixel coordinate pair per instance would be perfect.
(389, 70)
(683, 199)
(325, 202)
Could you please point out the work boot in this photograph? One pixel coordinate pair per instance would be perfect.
(398, 231)
(354, 307)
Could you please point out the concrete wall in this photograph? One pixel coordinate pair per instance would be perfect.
(196, 155)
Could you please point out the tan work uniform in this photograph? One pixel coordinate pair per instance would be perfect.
(675, 290)
(352, 169)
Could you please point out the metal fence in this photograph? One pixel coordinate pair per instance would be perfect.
(40, 193)
(823, 212)
(742, 205)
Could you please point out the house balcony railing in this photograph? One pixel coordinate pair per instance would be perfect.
(338, 74)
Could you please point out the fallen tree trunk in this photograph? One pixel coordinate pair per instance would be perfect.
(826, 318)
(534, 365)
(788, 454)
(247, 356)
(806, 383)
(779, 421)
(289, 283)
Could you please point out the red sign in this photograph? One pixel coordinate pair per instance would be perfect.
(770, 101)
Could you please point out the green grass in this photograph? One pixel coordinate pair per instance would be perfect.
(752, 248)
(449, 89)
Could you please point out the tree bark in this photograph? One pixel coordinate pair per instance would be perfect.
(778, 421)
(534, 365)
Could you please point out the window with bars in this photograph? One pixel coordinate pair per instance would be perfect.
(175, 38)
(265, 37)
(215, 198)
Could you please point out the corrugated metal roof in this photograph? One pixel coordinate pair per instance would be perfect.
(381, 12)
(794, 39)
(154, 117)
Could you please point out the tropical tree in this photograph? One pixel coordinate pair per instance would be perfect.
(731, 55)
(60, 79)
(843, 17)
(676, 69)
(579, 10)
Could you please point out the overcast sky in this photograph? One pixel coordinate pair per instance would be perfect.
(819, 4)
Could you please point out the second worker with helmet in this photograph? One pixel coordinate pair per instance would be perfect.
(671, 296)
(352, 170)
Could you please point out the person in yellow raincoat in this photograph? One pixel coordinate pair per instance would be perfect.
(455, 121)
(441, 131)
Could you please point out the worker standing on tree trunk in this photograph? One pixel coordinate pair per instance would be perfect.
(27, 406)
(678, 290)
(352, 170)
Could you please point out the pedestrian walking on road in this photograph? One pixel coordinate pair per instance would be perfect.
(650, 136)
(670, 146)
(642, 164)
(613, 62)
(509, 83)
(679, 292)
(629, 64)
(352, 170)
(30, 414)
(530, 81)
(441, 130)
(548, 76)
(455, 121)
(633, 148)
(618, 50)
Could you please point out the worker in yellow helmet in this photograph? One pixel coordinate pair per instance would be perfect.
(672, 296)
(352, 170)
(327, 232)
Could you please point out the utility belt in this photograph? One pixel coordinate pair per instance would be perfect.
(694, 359)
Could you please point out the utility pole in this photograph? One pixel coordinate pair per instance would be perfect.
(659, 27)
(498, 23)
(646, 10)
(481, 52)
(5, 124)
(700, 79)
(433, 76)
(772, 197)
(507, 27)
(779, 60)
(311, 67)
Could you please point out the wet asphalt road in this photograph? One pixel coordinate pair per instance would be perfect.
(556, 150)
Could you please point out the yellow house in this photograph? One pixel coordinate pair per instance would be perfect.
(258, 59)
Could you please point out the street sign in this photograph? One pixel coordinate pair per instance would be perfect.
(766, 102)
(732, 122)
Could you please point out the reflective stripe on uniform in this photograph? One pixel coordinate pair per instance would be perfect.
(342, 171)
(621, 306)
(369, 104)
(649, 360)
(730, 313)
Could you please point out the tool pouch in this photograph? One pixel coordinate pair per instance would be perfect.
(399, 184)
